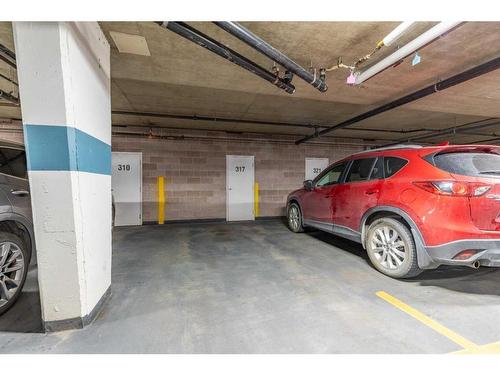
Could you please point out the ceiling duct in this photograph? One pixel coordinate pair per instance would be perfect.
(429, 90)
(218, 48)
(316, 79)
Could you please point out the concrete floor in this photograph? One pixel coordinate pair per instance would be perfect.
(258, 288)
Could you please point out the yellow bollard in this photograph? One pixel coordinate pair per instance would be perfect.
(256, 199)
(161, 199)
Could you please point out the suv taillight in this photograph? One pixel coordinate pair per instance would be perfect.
(454, 188)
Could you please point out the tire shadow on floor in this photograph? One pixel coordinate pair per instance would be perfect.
(25, 315)
(481, 281)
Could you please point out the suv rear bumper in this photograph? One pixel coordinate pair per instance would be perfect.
(488, 252)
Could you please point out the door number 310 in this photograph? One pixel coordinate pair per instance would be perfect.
(124, 167)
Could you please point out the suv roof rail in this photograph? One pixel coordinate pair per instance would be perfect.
(392, 147)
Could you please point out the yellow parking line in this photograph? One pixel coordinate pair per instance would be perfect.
(431, 323)
(493, 348)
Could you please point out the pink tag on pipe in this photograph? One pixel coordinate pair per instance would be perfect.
(351, 80)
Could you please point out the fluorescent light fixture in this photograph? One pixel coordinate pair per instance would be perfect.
(129, 43)
(397, 32)
(417, 43)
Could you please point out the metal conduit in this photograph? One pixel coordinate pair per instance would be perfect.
(246, 36)
(218, 48)
(429, 90)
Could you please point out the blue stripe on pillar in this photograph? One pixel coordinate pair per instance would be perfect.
(64, 148)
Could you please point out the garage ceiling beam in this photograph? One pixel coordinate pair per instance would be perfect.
(426, 91)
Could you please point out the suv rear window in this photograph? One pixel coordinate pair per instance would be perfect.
(469, 163)
(393, 165)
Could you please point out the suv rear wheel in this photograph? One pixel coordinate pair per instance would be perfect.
(391, 248)
(13, 269)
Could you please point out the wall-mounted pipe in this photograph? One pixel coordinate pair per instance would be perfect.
(431, 89)
(403, 52)
(214, 46)
(246, 36)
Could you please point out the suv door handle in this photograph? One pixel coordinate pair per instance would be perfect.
(370, 192)
(21, 193)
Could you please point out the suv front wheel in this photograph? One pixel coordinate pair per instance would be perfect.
(294, 218)
(391, 248)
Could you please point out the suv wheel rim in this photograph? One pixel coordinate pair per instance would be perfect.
(388, 247)
(293, 218)
(11, 270)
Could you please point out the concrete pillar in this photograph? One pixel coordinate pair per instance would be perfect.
(64, 77)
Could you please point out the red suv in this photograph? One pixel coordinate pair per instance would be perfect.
(411, 207)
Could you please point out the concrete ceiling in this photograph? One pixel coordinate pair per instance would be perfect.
(182, 78)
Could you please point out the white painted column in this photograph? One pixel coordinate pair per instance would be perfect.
(64, 77)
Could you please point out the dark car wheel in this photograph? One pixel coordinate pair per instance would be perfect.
(14, 260)
(391, 248)
(294, 218)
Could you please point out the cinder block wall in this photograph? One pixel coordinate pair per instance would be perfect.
(195, 170)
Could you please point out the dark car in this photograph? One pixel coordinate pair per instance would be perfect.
(411, 207)
(16, 227)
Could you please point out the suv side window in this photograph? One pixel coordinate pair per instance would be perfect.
(13, 162)
(360, 170)
(331, 177)
(393, 165)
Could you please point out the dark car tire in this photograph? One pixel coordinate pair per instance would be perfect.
(397, 259)
(25, 257)
(294, 218)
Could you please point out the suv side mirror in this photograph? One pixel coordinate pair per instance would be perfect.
(308, 185)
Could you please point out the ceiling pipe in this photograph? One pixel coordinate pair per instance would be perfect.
(7, 56)
(246, 36)
(282, 124)
(429, 90)
(487, 141)
(214, 46)
(453, 130)
(10, 98)
(257, 122)
(403, 52)
(234, 139)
